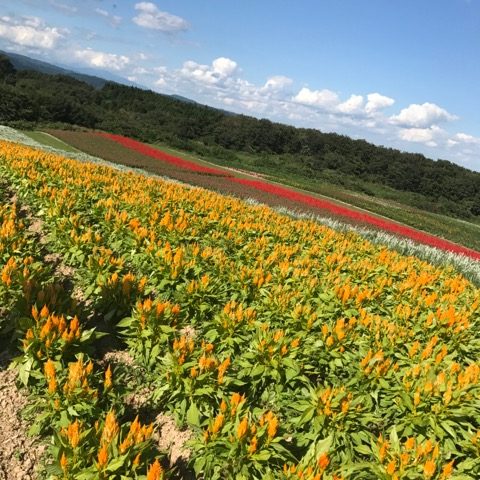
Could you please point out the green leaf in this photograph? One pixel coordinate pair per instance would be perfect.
(257, 370)
(193, 415)
(114, 465)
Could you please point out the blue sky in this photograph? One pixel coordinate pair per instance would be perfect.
(404, 73)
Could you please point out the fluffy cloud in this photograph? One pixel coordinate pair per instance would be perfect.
(30, 32)
(317, 98)
(108, 61)
(218, 72)
(353, 105)
(277, 83)
(422, 116)
(465, 138)
(377, 102)
(149, 16)
(224, 66)
(221, 84)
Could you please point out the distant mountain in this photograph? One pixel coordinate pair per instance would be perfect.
(22, 62)
(93, 77)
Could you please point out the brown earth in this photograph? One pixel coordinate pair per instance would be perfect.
(20, 454)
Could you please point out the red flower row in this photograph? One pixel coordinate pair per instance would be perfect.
(164, 157)
(289, 194)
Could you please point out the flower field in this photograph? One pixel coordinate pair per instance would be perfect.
(289, 350)
(345, 213)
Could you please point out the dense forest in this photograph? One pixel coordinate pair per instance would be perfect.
(29, 98)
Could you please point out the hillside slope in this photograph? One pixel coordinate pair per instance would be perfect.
(307, 157)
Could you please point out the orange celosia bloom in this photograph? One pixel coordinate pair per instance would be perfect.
(391, 467)
(155, 471)
(218, 423)
(73, 434)
(242, 428)
(272, 427)
(323, 461)
(429, 468)
(102, 457)
(108, 379)
(110, 429)
(252, 448)
(447, 470)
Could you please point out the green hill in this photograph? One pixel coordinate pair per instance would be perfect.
(305, 157)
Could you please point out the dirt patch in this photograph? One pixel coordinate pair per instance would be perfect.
(188, 332)
(36, 227)
(118, 356)
(170, 438)
(20, 455)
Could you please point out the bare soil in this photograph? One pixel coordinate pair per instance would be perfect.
(20, 454)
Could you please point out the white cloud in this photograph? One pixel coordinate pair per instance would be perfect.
(109, 61)
(63, 6)
(277, 83)
(149, 16)
(224, 66)
(353, 105)
(221, 84)
(30, 32)
(218, 72)
(114, 20)
(317, 98)
(422, 116)
(427, 136)
(465, 138)
(377, 102)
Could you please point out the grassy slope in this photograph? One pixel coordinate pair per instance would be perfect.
(50, 141)
(459, 231)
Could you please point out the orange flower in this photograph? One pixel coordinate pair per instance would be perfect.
(102, 457)
(108, 379)
(242, 428)
(447, 470)
(272, 427)
(73, 433)
(218, 423)
(252, 448)
(410, 443)
(64, 462)
(323, 461)
(155, 471)
(429, 468)
(136, 460)
(110, 429)
(391, 467)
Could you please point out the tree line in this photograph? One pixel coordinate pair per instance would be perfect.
(29, 99)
